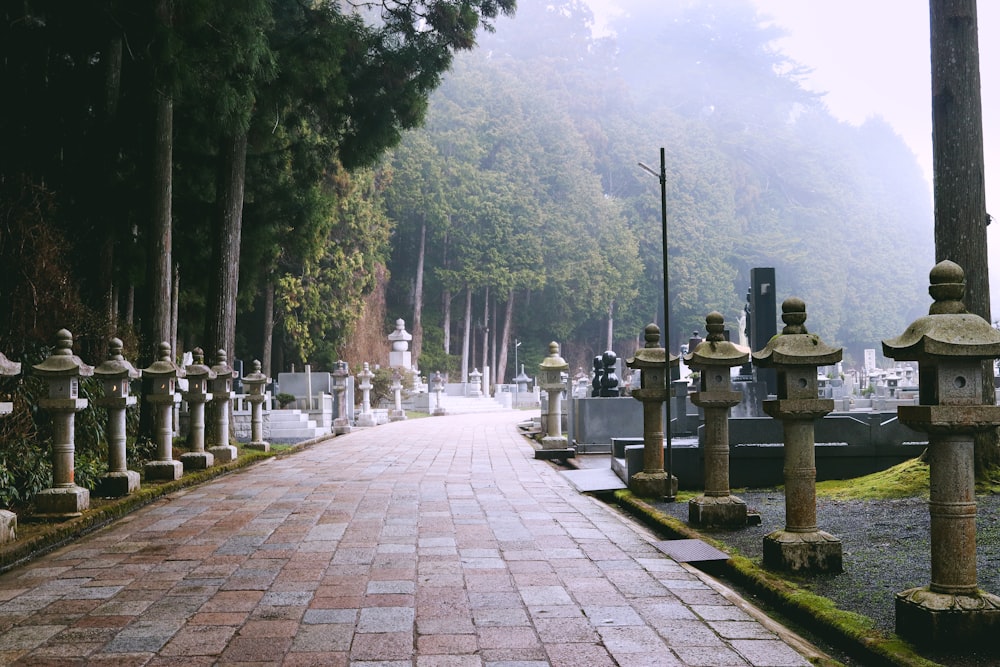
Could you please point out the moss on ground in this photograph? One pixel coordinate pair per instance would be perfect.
(905, 480)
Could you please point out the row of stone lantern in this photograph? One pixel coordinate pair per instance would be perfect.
(950, 346)
(62, 371)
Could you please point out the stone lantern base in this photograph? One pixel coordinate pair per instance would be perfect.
(924, 617)
(439, 411)
(653, 485)
(555, 442)
(224, 453)
(341, 426)
(197, 460)
(163, 470)
(815, 551)
(366, 419)
(258, 446)
(717, 512)
(118, 484)
(62, 502)
(8, 526)
(396, 415)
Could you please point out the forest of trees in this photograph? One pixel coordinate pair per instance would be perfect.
(519, 206)
(217, 175)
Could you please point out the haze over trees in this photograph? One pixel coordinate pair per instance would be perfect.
(522, 190)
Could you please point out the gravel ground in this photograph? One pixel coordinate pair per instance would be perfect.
(886, 550)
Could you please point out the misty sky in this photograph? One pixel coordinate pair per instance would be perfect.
(872, 57)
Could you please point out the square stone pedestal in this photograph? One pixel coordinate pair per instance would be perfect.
(258, 446)
(925, 618)
(197, 460)
(341, 426)
(366, 419)
(8, 526)
(223, 453)
(118, 484)
(653, 485)
(163, 470)
(62, 503)
(717, 512)
(815, 551)
(397, 415)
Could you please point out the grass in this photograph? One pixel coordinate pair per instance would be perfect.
(905, 480)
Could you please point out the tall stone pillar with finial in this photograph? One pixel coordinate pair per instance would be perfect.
(713, 358)
(653, 364)
(116, 373)
(950, 344)
(222, 394)
(163, 374)
(63, 370)
(796, 355)
(197, 394)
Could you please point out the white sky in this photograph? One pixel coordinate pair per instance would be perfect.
(872, 57)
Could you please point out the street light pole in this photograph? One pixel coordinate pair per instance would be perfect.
(662, 176)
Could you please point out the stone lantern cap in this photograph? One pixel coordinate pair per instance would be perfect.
(400, 334)
(652, 355)
(198, 369)
(553, 362)
(222, 368)
(795, 346)
(62, 362)
(715, 350)
(8, 367)
(116, 366)
(949, 330)
(255, 381)
(164, 366)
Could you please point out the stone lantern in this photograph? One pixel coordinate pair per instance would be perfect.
(198, 376)
(221, 387)
(8, 520)
(366, 418)
(713, 358)
(475, 384)
(342, 424)
(254, 383)
(62, 371)
(551, 376)
(116, 373)
(437, 386)
(399, 353)
(163, 374)
(796, 355)
(951, 347)
(397, 414)
(653, 363)
(8, 368)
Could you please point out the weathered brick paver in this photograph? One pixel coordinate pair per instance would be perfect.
(436, 542)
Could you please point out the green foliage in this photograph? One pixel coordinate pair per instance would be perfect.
(284, 400)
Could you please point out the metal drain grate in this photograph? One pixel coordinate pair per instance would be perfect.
(690, 551)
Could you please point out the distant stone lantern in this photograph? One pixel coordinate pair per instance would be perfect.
(713, 358)
(8, 368)
(342, 424)
(397, 413)
(796, 355)
(653, 363)
(221, 387)
(437, 386)
(163, 374)
(198, 376)
(116, 373)
(950, 345)
(62, 371)
(8, 520)
(552, 378)
(365, 377)
(254, 383)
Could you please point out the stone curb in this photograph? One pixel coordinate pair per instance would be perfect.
(23, 550)
(813, 611)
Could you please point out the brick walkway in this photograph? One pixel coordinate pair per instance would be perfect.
(435, 542)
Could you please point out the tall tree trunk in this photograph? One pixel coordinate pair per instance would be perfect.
(611, 325)
(508, 318)
(174, 307)
(161, 228)
(221, 315)
(446, 319)
(486, 330)
(112, 91)
(466, 334)
(493, 343)
(418, 298)
(268, 339)
(959, 192)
